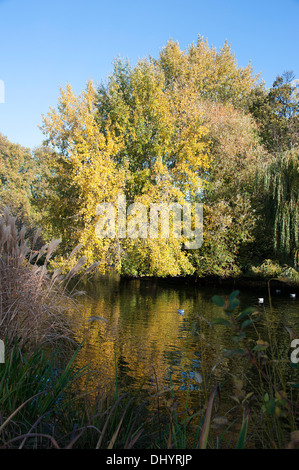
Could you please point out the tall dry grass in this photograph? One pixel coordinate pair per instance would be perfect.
(35, 307)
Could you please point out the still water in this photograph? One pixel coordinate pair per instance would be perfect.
(146, 342)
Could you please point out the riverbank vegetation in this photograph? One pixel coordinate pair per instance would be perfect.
(41, 406)
(48, 400)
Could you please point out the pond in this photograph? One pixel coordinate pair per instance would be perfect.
(146, 341)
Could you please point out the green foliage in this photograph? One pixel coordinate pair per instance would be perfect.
(276, 200)
(268, 269)
(277, 112)
(42, 409)
(281, 186)
(34, 377)
(273, 393)
(17, 174)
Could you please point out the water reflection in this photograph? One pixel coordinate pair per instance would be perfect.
(145, 339)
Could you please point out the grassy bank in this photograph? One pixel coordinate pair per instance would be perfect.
(247, 282)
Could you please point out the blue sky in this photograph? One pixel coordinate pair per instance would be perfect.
(45, 45)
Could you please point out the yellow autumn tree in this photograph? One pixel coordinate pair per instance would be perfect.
(214, 75)
(170, 130)
(165, 152)
(222, 90)
(83, 174)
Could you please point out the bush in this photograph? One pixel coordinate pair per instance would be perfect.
(268, 269)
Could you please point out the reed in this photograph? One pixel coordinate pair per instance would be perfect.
(35, 308)
(273, 395)
(40, 405)
(44, 406)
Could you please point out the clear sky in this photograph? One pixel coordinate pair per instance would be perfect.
(47, 44)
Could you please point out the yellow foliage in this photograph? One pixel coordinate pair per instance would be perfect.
(84, 172)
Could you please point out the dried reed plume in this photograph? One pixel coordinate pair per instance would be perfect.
(35, 307)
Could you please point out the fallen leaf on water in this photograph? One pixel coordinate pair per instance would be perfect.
(96, 318)
(219, 421)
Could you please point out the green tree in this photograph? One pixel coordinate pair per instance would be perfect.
(231, 195)
(17, 174)
(281, 190)
(277, 112)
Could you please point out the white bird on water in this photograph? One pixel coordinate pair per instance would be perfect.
(261, 300)
(293, 296)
